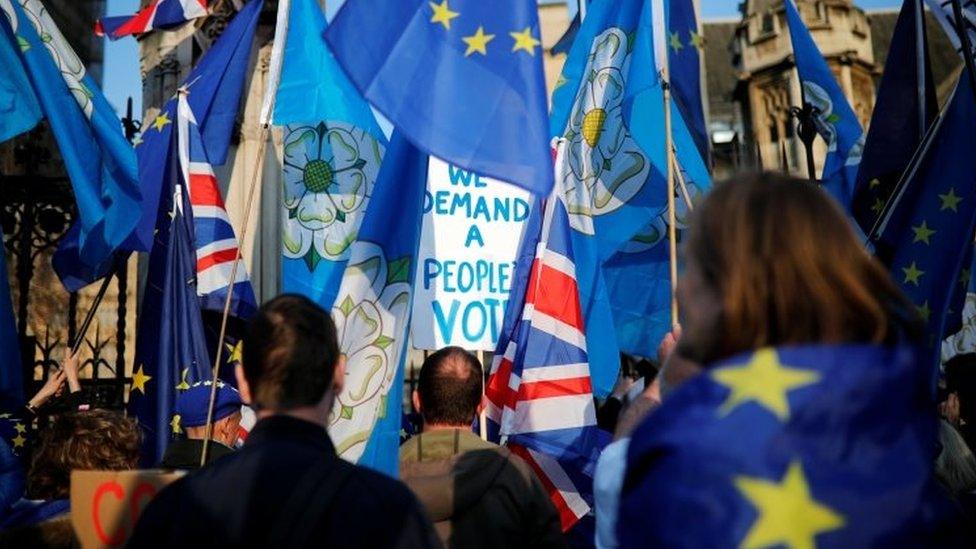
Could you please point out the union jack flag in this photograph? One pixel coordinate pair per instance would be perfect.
(159, 14)
(540, 399)
(214, 239)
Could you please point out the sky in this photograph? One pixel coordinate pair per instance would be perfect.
(122, 78)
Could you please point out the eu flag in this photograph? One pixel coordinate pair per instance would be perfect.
(171, 344)
(807, 446)
(685, 47)
(462, 79)
(904, 110)
(217, 82)
(926, 238)
(835, 120)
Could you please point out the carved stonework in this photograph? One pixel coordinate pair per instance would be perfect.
(765, 59)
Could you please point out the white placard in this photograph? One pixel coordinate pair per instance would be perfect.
(472, 226)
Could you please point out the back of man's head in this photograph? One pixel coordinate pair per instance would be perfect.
(449, 387)
(289, 354)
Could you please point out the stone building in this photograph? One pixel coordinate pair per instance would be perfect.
(752, 81)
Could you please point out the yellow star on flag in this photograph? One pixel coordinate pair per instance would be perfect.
(922, 233)
(443, 14)
(161, 121)
(874, 183)
(236, 351)
(18, 440)
(877, 206)
(478, 42)
(965, 276)
(175, 424)
(697, 40)
(950, 201)
(524, 41)
(788, 515)
(139, 380)
(675, 42)
(912, 273)
(764, 381)
(20, 428)
(183, 385)
(924, 311)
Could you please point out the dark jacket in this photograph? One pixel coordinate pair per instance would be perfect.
(478, 494)
(185, 454)
(286, 487)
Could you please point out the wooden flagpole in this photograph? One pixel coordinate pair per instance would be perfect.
(672, 218)
(258, 168)
(483, 417)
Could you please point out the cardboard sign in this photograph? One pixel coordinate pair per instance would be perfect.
(472, 227)
(105, 505)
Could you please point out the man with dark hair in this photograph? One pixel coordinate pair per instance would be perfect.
(478, 494)
(287, 487)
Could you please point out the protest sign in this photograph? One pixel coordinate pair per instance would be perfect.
(472, 227)
(105, 505)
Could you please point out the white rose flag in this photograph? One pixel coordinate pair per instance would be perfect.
(372, 312)
(332, 152)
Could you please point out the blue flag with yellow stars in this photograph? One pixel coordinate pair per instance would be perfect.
(807, 446)
(171, 343)
(835, 120)
(461, 79)
(685, 47)
(217, 82)
(927, 237)
(904, 110)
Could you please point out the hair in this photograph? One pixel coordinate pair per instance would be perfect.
(960, 378)
(91, 440)
(788, 269)
(449, 387)
(289, 353)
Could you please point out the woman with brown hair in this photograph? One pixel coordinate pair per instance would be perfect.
(91, 440)
(802, 415)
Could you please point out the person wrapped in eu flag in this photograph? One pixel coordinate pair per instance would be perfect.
(804, 418)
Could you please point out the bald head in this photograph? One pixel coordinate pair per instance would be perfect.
(449, 388)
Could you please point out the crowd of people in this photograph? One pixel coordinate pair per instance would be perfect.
(770, 263)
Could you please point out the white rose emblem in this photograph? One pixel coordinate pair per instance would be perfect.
(329, 172)
(370, 315)
(602, 165)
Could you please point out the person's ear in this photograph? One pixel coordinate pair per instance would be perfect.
(415, 397)
(339, 375)
(482, 404)
(242, 385)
